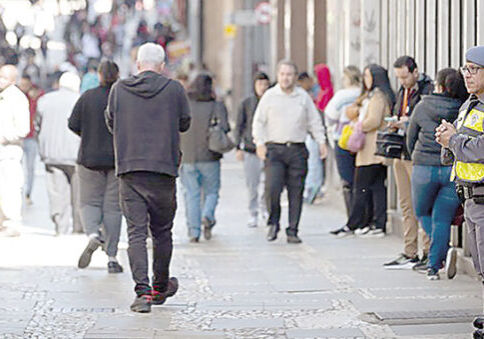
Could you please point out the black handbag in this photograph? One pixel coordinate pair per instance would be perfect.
(389, 144)
(218, 140)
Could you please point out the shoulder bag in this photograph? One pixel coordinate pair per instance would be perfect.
(218, 140)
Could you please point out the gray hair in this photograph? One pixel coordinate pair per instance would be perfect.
(151, 53)
(287, 62)
(70, 81)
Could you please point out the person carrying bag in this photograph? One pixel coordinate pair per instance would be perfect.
(218, 139)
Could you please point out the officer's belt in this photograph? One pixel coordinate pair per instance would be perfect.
(472, 191)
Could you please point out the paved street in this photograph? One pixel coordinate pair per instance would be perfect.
(235, 286)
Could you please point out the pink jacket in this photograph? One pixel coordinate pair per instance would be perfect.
(324, 79)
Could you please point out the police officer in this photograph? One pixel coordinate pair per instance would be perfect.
(465, 141)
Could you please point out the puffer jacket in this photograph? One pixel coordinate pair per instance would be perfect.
(426, 117)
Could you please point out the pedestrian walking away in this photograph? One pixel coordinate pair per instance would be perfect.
(14, 125)
(58, 148)
(464, 144)
(413, 85)
(283, 118)
(200, 168)
(99, 194)
(253, 166)
(147, 156)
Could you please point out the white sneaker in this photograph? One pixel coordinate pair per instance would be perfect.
(252, 221)
(403, 262)
(362, 231)
(344, 232)
(451, 263)
(374, 233)
(263, 217)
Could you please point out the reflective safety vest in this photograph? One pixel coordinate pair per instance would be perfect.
(469, 123)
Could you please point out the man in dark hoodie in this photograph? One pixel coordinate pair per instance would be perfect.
(145, 113)
(253, 166)
(413, 85)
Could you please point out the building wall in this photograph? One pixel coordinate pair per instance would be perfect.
(218, 49)
(436, 32)
(298, 32)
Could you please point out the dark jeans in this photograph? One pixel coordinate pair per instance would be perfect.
(369, 187)
(435, 202)
(285, 166)
(148, 199)
(345, 162)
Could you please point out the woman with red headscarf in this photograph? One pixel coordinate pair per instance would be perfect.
(314, 179)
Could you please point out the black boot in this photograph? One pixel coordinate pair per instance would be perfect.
(348, 196)
(272, 234)
(478, 334)
(478, 323)
(292, 237)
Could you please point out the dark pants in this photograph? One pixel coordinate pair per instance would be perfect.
(345, 162)
(286, 166)
(148, 198)
(369, 185)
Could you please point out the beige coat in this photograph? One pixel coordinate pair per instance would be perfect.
(378, 108)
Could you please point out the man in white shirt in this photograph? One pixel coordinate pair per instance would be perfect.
(58, 148)
(284, 117)
(14, 125)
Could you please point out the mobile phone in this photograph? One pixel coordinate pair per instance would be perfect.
(391, 119)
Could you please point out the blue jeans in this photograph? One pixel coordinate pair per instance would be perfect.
(30, 153)
(201, 183)
(435, 202)
(314, 179)
(345, 162)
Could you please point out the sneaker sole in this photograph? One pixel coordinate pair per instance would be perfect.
(362, 231)
(141, 309)
(407, 266)
(451, 263)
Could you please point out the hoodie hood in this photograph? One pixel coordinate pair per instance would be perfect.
(146, 84)
(324, 78)
(438, 107)
(424, 80)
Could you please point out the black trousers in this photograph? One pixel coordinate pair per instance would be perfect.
(285, 166)
(369, 187)
(149, 200)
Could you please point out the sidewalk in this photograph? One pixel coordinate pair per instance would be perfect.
(235, 286)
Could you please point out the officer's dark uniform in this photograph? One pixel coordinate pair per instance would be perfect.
(467, 147)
